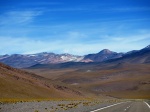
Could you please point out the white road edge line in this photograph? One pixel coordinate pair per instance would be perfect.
(147, 104)
(108, 106)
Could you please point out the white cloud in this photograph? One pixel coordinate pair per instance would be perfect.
(18, 17)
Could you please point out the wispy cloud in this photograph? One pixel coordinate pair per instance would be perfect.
(132, 39)
(90, 8)
(18, 17)
(74, 45)
(40, 3)
(72, 27)
(68, 9)
(130, 9)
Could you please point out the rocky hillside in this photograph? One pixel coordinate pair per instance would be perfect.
(15, 83)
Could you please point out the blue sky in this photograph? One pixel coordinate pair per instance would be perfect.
(73, 26)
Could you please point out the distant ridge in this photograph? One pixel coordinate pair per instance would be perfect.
(28, 60)
(103, 55)
(135, 56)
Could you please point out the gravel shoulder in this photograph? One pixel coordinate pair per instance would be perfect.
(54, 106)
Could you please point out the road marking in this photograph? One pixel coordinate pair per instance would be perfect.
(126, 108)
(147, 104)
(108, 106)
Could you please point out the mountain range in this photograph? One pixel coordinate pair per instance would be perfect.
(28, 60)
(47, 75)
(126, 76)
(23, 61)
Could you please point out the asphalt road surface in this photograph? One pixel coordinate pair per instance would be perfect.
(125, 107)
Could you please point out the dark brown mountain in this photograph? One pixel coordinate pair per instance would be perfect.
(15, 83)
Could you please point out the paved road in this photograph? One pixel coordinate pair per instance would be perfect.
(126, 107)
